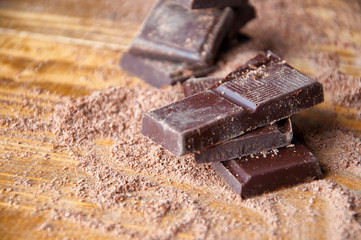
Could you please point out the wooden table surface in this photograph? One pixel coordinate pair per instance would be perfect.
(72, 48)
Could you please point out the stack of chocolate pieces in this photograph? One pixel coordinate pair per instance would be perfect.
(241, 124)
(180, 39)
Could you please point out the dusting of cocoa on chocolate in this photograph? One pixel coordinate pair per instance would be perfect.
(115, 189)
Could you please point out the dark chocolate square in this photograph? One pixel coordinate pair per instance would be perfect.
(250, 176)
(174, 32)
(161, 72)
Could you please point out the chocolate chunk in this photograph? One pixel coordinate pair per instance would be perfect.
(259, 140)
(197, 4)
(242, 16)
(174, 32)
(244, 101)
(193, 123)
(249, 176)
(262, 139)
(162, 72)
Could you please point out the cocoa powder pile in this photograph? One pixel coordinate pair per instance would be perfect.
(113, 188)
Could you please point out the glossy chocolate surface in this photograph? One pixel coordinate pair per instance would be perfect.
(197, 4)
(261, 139)
(247, 100)
(161, 72)
(188, 124)
(249, 176)
(176, 33)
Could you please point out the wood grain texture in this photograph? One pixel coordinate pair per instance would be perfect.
(50, 49)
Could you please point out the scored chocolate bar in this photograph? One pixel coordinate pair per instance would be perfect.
(261, 139)
(197, 4)
(249, 176)
(196, 85)
(176, 33)
(161, 72)
(245, 100)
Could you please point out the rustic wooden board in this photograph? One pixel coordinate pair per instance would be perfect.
(53, 46)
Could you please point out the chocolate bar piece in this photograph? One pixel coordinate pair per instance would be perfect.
(162, 72)
(245, 100)
(249, 176)
(176, 33)
(261, 139)
(197, 4)
(242, 16)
